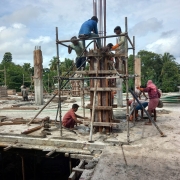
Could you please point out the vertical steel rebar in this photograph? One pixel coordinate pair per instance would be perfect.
(59, 83)
(104, 22)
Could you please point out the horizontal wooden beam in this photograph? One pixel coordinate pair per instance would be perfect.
(99, 72)
(78, 170)
(31, 130)
(100, 107)
(20, 108)
(106, 89)
(106, 124)
(81, 156)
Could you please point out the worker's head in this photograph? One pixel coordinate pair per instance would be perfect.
(74, 40)
(75, 107)
(95, 18)
(117, 30)
(110, 45)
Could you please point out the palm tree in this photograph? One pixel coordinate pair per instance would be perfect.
(166, 58)
(53, 64)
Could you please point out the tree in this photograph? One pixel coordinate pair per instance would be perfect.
(7, 58)
(161, 69)
(151, 66)
(53, 64)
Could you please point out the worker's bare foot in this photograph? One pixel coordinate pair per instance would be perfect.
(131, 118)
(148, 123)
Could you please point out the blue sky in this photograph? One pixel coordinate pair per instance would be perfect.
(25, 24)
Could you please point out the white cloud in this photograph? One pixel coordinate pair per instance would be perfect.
(41, 39)
(25, 24)
(169, 44)
(2, 28)
(18, 25)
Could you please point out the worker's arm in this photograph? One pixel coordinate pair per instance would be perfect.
(69, 49)
(121, 40)
(145, 95)
(81, 117)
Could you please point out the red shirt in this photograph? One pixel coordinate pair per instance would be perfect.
(68, 116)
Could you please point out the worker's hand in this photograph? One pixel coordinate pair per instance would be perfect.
(138, 87)
(115, 46)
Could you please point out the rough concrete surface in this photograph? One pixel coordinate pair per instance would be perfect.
(149, 156)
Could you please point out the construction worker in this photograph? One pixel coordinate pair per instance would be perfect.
(86, 29)
(121, 45)
(154, 96)
(70, 118)
(25, 93)
(78, 47)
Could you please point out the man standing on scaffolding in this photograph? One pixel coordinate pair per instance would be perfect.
(78, 47)
(89, 30)
(120, 49)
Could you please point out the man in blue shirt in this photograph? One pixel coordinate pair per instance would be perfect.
(87, 27)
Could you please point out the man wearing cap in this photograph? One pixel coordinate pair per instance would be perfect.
(86, 30)
(70, 118)
(78, 47)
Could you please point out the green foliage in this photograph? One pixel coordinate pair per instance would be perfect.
(53, 64)
(7, 58)
(161, 69)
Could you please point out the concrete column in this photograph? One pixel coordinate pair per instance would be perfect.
(38, 82)
(138, 71)
(119, 94)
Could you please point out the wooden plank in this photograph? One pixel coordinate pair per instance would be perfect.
(31, 130)
(81, 164)
(106, 124)
(72, 176)
(106, 89)
(78, 170)
(100, 107)
(20, 108)
(11, 123)
(99, 72)
(81, 156)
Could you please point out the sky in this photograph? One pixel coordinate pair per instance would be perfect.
(25, 24)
